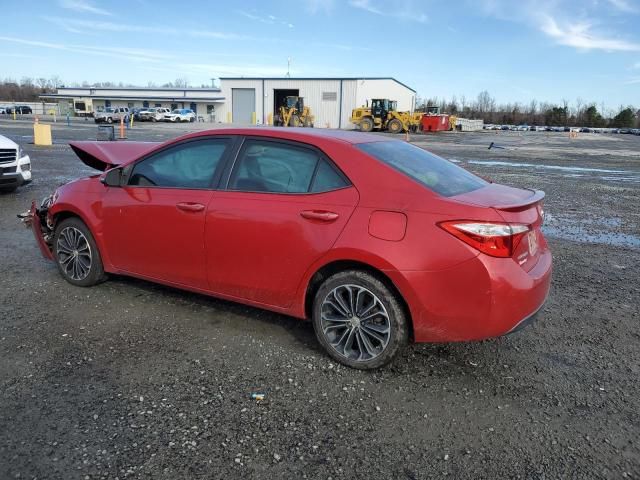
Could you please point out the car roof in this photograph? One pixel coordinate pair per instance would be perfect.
(296, 134)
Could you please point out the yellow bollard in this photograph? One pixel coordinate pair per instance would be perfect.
(253, 118)
(228, 117)
(14, 113)
(41, 134)
(131, 121)
(270, 119)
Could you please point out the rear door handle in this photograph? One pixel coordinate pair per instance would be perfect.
(190, 207)
(321, 215)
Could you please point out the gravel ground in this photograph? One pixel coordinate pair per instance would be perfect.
(134, 380)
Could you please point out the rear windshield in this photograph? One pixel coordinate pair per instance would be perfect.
(435, 173)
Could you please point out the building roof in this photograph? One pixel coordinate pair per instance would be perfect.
(158, 89)
(319, 78)
(136, 97)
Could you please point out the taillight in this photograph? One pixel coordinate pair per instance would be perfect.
(495, 239)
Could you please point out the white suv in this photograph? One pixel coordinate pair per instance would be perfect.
(111, 114)
(15, 166)
(180, 115)
(154, 114)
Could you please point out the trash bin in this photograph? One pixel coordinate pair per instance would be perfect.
(106, 133)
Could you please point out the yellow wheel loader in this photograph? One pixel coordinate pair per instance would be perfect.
(294, 114)
(383, 115)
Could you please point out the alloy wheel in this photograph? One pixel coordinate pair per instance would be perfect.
(74, 253)
(355, 322)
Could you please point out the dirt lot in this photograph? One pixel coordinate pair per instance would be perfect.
(134, 380)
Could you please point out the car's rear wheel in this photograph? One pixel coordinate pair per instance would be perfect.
(77, 254)
(359, 320)
(109, 120)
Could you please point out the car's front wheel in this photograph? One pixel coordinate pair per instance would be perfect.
(359, 320)
(77, 254)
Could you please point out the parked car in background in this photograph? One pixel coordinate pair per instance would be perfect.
(111, 114)
(329, 225)
(19, 109)
(154, 114)
(3, 110)
(136, 112)
(15, 166)
(180, 115)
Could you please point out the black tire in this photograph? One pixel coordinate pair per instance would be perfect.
(366, 124)
(109, 120)
(154, 119)
(395, 126)
(332, 324)
(63, 242)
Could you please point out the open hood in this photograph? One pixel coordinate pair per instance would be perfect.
(105, 155)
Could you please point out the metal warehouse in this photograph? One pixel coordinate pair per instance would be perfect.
(245, 101)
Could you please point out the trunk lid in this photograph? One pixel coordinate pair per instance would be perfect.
(105, 155)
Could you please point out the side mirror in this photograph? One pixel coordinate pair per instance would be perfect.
(112, 178)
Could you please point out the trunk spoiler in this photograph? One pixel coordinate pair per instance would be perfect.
(105, 155)
(537, 196)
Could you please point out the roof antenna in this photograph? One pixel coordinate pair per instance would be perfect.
(288, 66)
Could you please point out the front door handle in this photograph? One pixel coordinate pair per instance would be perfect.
(320, 215)
(190, 207)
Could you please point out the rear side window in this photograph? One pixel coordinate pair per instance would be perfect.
(191, 166)
(264, 166)
(327, 179)
(435, 173)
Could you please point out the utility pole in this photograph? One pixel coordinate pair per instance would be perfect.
(213, 85)
(288, 67)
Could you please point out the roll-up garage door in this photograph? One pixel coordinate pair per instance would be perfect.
(244, 104)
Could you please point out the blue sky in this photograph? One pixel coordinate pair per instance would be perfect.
(517, 50)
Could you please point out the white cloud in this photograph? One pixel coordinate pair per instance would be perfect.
(403, 10)
(624, 6)
(83, 6)
(580, 36)
(268, 19)
(90, 26)
(132, 54)
(316, 6)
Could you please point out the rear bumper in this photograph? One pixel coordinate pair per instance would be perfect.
(481, 298)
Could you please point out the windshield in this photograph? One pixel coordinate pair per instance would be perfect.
(176, 111)
(435, 173)
(109, 109)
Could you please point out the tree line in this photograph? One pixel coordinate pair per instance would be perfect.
(580, 113)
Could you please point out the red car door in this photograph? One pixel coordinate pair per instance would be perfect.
(154, 225)
(284, 207)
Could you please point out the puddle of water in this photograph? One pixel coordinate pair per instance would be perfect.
(588, 230)
(550, 167)
(572, 172)
(579, 234)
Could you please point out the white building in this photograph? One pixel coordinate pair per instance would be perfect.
(245, 101)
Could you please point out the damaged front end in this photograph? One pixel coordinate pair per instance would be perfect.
(38, 219)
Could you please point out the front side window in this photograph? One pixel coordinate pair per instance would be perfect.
(191, 165)
(435, 173)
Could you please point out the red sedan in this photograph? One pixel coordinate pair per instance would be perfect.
(375, 240)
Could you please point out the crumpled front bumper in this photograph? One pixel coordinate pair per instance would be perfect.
(35, 219)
